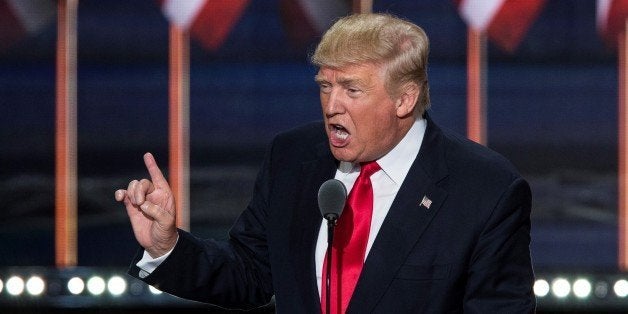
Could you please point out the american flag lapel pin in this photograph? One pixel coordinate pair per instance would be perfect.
(426, 202)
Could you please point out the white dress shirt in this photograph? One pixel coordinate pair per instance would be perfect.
(386, 183)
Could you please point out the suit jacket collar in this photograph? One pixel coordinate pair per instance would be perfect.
(307, 221)
(406, 221)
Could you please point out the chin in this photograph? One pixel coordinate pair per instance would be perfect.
(341, 154)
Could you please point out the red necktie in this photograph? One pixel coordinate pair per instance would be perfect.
(350, 239)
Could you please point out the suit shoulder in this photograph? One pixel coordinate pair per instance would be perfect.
(300, 141)
(475, 160)
(313, 131)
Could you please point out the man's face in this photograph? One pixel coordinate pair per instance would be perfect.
(361, 120)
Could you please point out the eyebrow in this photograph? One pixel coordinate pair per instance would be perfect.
(319, 78)
(342, 80)
(351, 80)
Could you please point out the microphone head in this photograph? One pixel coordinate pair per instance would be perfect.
(332, 196)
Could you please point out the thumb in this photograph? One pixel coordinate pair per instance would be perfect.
(157, 213)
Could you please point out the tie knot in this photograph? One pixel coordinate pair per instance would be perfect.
(369, 168)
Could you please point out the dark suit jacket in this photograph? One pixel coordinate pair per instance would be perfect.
(468, 252)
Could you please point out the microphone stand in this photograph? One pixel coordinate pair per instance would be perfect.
(331, 223)
(331, 200)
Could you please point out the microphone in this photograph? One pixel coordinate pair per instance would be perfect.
(332, 196)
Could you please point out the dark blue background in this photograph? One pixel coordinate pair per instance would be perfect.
(551, 110)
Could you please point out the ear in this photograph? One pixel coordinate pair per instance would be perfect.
(407, 100)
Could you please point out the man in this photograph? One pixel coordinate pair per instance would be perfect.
(449, 230)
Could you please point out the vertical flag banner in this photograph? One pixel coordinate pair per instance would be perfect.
(305, 20)
(611, 24)
(505, 21)
(611, 19)
(22, 18)
(208, 21)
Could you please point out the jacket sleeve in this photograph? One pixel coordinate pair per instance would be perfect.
(234, 273)
(500, 276)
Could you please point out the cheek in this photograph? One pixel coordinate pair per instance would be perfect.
(380, 124)
(369, 127)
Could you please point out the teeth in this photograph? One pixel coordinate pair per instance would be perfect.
(341, 133)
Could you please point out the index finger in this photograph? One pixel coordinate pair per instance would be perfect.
(155, 173)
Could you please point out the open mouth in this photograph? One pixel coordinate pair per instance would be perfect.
(339, 132)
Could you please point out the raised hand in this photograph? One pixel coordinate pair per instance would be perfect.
(151, 209)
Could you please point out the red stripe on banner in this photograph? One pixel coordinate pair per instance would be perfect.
(215, 20)
(11, 29)
(299, 28)
(617, 14)
(511, 22)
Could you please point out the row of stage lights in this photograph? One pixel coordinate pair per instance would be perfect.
(75, 285)
(116, 285)
(559, 287)
(606, 292)
(35, 286)
(80, 287)
(581, 288)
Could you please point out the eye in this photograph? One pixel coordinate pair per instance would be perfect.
(325, 88)
(353, 92)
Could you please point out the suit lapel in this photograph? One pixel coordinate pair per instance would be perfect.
(306, 224)
(407, 219)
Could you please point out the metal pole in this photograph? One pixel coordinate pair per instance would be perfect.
(622, 181)
(476, 86)
(179, 123)
(65, 137)
(362, 6)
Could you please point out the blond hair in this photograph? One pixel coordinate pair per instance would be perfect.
(382, 39)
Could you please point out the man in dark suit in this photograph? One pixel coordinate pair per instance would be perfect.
(450, 225)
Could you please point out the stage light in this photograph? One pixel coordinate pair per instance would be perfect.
(116, 285)
(96, 285)
(15, 285)
(154, 290)
(35, 285)
(136, 288)
(581, 288)
(621, 288)
(560, 287)
(601, 289)
(1, 286)
(76, 285)
(541, 288)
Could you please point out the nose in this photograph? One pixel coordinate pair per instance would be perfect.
(332, 103)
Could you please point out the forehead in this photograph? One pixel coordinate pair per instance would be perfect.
(367, 72)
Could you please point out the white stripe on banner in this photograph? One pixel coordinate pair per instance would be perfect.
(33, 14)
(182, 12)
(323, 13)
(479, 13)
(603, 9)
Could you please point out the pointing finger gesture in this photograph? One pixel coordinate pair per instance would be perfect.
(151, 209)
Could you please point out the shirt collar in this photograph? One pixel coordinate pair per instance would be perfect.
(398, 161)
